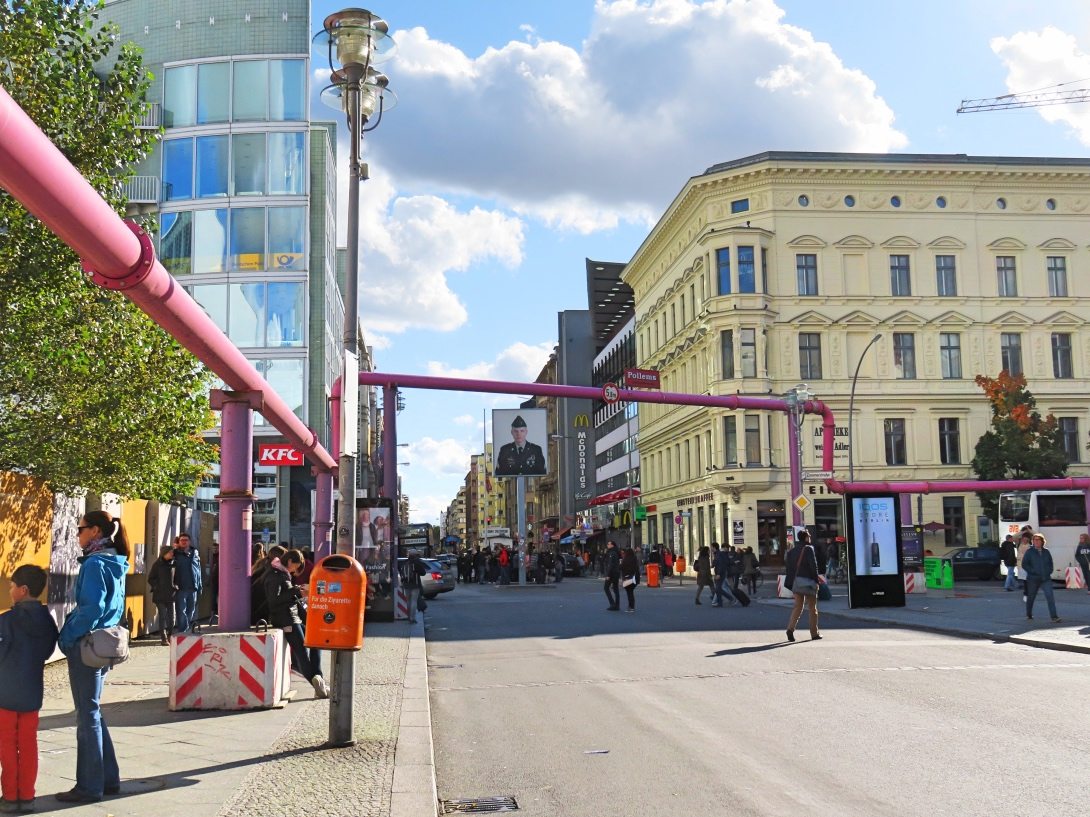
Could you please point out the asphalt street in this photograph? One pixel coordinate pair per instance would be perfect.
(542, 694)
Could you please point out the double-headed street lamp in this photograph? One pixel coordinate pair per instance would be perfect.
(354, 39)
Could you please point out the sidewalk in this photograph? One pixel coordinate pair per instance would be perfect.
(974, 610)
(257, 762)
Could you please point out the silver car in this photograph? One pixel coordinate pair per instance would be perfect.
(437, 579)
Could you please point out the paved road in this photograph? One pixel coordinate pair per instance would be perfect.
(542, 694)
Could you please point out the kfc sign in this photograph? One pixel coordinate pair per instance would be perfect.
(273, 454)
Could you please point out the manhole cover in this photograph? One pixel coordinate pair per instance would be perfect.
(479, 805)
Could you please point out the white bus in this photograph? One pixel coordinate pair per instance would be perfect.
(1059, 515)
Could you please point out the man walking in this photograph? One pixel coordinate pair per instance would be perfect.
(721, 563)
(611, 569)
(1038, 566)
(1008, 554)
(1082, 556)
(187, 578)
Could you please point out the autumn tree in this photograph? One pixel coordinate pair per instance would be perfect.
(1021, 443)
(93, 395)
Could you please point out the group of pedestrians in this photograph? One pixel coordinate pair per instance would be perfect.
(176, 583)
(1032, 558)
(722, 570)
(620, 568)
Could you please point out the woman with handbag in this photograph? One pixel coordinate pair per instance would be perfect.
(802, 580)
(630, 569)
(703, 567)
(100, 603)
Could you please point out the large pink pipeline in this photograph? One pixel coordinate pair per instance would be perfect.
(117, 255)
(960, 485)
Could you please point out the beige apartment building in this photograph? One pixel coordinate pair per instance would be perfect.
(780, 269)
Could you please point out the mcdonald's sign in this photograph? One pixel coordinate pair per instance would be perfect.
(622, 519)
(580, 421)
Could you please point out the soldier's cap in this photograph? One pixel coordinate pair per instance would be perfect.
(518, 422)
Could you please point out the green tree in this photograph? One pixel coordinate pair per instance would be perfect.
(93, 395)
(1021, 444)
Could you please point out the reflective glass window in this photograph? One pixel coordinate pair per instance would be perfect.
(210, 240)
(284, 321)
(251, 90)
(177, 169)
(212, 164)
(287, 238)
(287, 90)
(180, 96)
(246, 316)
(176, 242)
(286, 376)
(247, 238)
(249, 164)
(213, 300)
(213, 92)
(287, 164)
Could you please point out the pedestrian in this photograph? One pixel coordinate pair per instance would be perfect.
(734, 566)
(721, 564)
(703, 567)
(187, 577)
(802, 580)
(750, 569)
(27, 638)
(668, 562)
(480, 566)
(1009, 556)
(163, 591)
(259, 606)
(414, 569)
(1038, 566)
(214, 583)
(630, 576)
(1082, 556)
(283, 600)
(505, 565)
(611, 569)
(558, 567)
(299, 568)
(1025, 544)
(833, 558)
(99, 603)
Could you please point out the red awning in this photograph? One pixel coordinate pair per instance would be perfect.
(556, 537)
(614, 496)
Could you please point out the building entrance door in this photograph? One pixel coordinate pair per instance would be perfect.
(771, 531)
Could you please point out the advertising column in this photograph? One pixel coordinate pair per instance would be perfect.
(874, 552)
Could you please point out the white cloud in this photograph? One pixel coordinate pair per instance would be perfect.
(427, 508)
(660, 90)
(1039, 59)
(519, 363)
(465, 420)
(442, 457)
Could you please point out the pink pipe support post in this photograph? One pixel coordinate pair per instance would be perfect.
(323, 513)
(118, 255)
(389, 476)
(236, 498)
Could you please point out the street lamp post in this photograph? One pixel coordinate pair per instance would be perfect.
(354, 38)
(851, 407)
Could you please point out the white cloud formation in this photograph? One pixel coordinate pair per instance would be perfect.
(520, 363)
(659, 91)
(1039, 59)
(465, 420)
(442, 457)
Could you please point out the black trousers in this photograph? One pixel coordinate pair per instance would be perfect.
(613, 591)
(631, 592)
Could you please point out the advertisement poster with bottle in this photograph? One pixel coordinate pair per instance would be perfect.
(875, 523)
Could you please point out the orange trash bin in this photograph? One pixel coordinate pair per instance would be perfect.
(335, 604)
(652, 574)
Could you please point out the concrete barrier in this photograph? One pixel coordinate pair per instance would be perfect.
(229, 671)
(1073, 578)
(915, 583)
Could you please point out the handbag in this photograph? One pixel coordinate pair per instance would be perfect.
(629, 581)
(824, 593)
(106, 647)
(803, 585)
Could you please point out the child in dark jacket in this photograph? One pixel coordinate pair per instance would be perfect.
(28, 636)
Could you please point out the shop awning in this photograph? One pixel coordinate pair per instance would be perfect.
(614, 496)
(559, 535)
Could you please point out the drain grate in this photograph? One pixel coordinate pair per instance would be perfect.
(479, 805)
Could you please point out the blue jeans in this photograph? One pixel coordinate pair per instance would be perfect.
(96, 764)
(1012, 579)
(1032, 585)
(722, 591)
(185, 602)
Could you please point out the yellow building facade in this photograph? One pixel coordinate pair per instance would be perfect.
(781, 268)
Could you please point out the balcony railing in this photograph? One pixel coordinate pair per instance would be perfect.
(153, 118)
(142, 190)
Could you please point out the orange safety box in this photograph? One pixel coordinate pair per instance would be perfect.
(652, 574)
(338, 591)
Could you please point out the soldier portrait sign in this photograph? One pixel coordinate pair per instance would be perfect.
(519, 440)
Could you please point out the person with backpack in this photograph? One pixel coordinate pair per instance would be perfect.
(720, 566)
(414, 570)
(1009, 556)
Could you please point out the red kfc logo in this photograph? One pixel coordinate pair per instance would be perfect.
(278, 454)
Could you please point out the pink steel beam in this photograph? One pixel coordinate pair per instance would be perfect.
(961, 485)
(118, 255)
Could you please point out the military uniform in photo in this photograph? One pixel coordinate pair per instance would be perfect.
(517, 459)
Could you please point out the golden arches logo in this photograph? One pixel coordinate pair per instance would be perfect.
(580, 421)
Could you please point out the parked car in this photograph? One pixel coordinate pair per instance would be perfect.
(435, 581)
(976, 563)
(573, 565)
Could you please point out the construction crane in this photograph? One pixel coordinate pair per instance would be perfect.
(1050, 95)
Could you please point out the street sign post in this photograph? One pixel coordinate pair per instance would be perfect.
(801, 502)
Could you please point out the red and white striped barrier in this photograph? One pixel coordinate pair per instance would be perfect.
(229, 670)
(915, 583)
(781, 591)
(1073, 578)
(401, 609)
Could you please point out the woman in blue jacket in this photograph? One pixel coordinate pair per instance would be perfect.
(100, 602)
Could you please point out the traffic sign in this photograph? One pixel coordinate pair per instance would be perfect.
(610, 393)
(677, 519)
(817, 475)
(802, 503)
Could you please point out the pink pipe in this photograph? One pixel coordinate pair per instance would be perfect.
(118, 255)
(960, 486)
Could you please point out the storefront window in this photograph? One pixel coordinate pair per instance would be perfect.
(177, 169)
(179, 96)
(249, 164)
(212, 165)
(247, 238)
(210, 240)
(213, 89)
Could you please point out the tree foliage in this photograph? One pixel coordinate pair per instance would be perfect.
(1021, 444)
(93, 395)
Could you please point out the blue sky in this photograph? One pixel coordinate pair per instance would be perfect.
(531, 135)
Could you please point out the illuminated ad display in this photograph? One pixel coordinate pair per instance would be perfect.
(875, 523)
